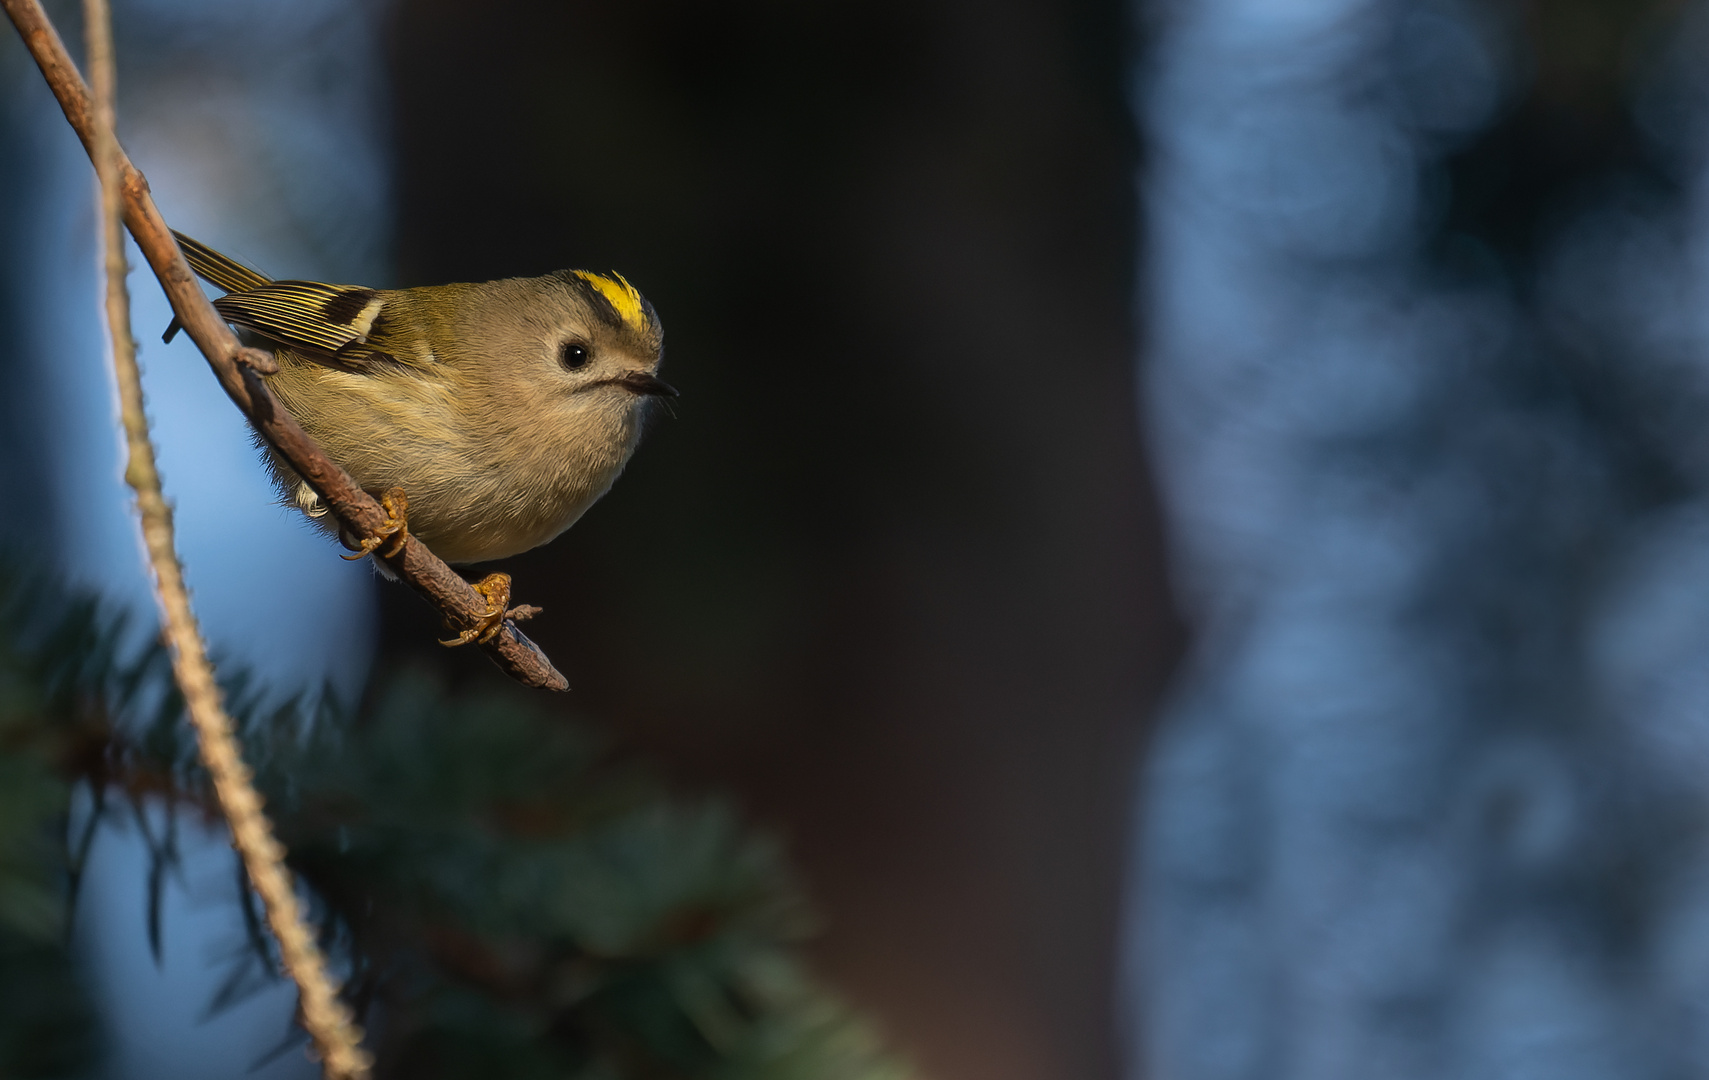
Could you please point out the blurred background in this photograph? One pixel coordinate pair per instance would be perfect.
(1425, 385)
(1188, 517)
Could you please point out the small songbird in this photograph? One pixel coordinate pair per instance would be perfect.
(502, 410)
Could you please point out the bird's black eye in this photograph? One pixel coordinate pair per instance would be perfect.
(573, 355)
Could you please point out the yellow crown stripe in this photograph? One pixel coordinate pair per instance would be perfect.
(622, 295)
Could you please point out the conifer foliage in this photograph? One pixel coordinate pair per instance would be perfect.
(507, 899)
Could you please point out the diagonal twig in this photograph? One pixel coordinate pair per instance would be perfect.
(325, 1015)
(240, 372)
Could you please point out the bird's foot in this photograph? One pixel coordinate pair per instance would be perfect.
(389, 538)
(495, 589)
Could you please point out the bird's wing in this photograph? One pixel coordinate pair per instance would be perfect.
(335, 325)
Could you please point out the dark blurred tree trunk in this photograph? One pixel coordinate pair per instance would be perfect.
(892, 571)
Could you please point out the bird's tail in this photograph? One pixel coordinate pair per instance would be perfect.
(216, 269)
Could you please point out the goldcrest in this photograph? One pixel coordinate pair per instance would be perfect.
(503, 409)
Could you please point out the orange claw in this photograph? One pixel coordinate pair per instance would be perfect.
(495, 588)
(389, 538)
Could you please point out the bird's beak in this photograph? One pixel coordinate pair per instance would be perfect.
(647, 385)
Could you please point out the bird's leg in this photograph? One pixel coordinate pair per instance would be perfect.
(495, 589)
(389, 538)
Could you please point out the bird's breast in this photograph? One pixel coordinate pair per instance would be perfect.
(485, 480)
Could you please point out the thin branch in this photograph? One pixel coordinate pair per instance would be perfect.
(240, 372)
(325, 1015)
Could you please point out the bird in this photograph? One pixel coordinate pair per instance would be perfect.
(486, 417)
